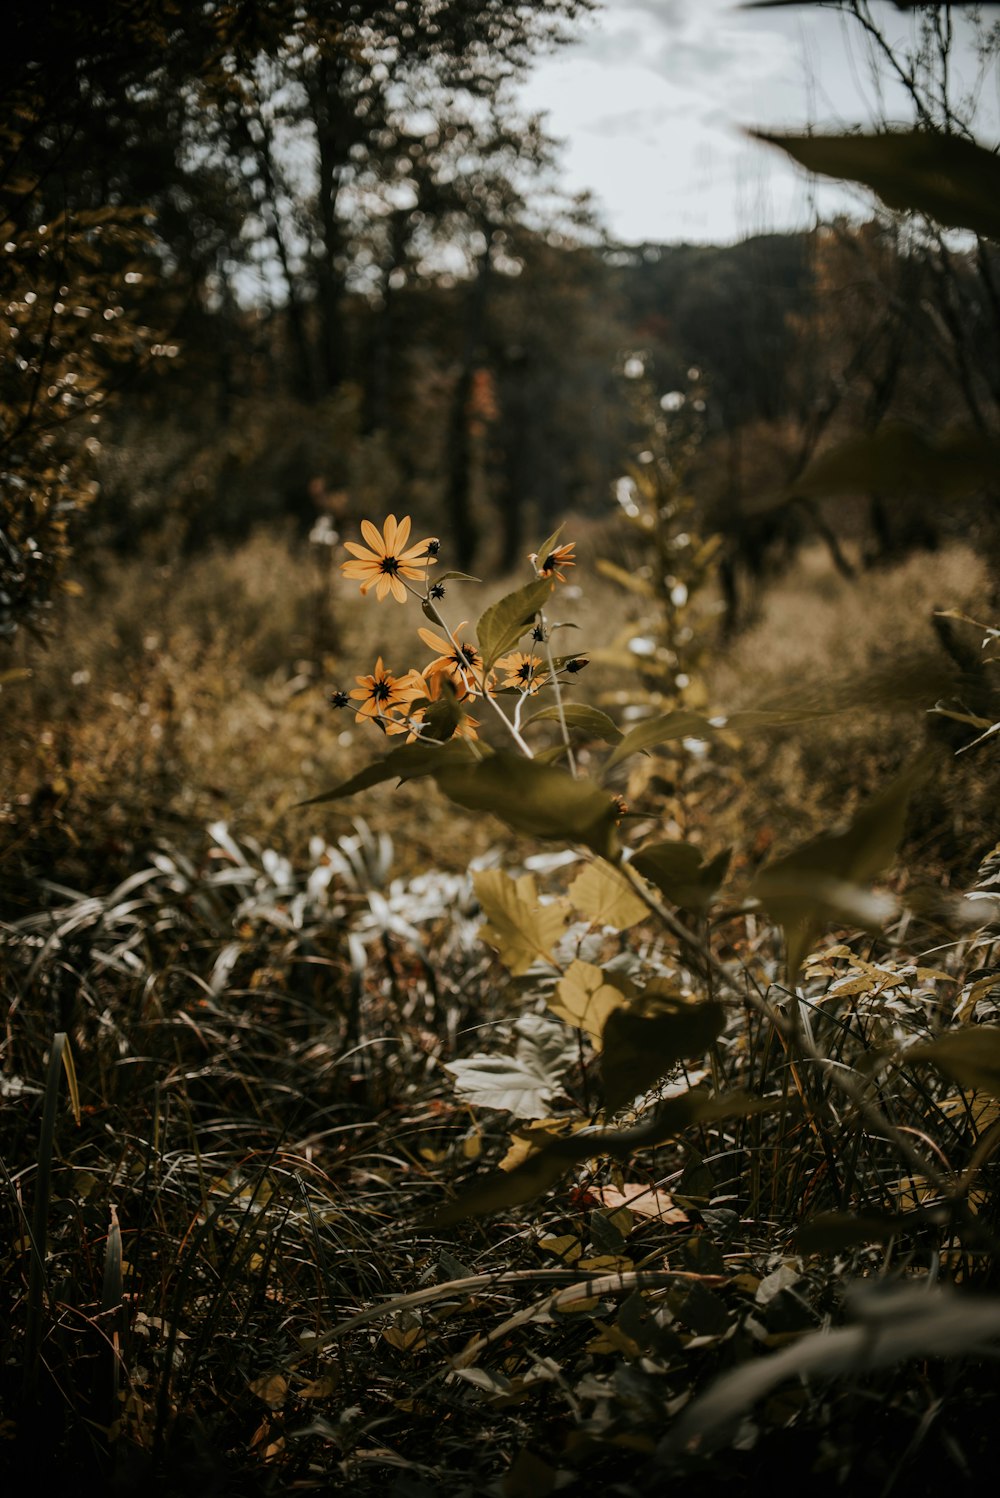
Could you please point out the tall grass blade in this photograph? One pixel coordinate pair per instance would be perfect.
(40, 1216)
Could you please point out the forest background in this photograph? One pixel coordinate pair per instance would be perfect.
(269, 271)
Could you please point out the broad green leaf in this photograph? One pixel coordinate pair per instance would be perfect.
(679, 874)
(523, 1084)
(642, 1042)
(534, 798)
(970, 1056)
(680, 725)
(890, 1323)
(946, 177)
(605, 897)
(552, 1160)
(683, 725)
(549, 544)
(825, 879)
(505, 621)
(897, 461)
(584, 997)
(517, 924)
(406, 763)
(832, 1232)
(589, 720)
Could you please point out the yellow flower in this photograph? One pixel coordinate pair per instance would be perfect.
(384, 562)
(456, 659)
(559, 556)
(382, 694)
(525, 672)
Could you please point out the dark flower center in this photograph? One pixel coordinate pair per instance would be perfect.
(381, 689)
(525, 671)
(465, 657)
(389, 565)
(549, 565)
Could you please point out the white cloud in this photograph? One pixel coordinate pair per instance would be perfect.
(654, 99)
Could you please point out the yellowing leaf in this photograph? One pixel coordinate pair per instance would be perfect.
(644, 1201)
(605, 897)
(517, 924)
(584, 998)
(568, 1248)
(529, 1139)
(272, 1388)
(319, 1388)
(405, 1339)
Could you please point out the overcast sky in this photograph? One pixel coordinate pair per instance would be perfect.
(652, 100)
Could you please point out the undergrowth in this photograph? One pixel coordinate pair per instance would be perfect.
(237, 1256)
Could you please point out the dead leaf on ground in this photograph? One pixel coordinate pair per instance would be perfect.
(643, 1201)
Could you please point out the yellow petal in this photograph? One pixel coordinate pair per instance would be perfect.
(373, 537)
(389, 533)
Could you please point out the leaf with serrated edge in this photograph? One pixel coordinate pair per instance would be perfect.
(583, 997)
(517, 924)
(605, 897)
(504, 622)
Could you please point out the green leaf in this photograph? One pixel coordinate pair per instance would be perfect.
(679, 874)
(459, 577)
(644, 1041)
(589, 720)
(605, 897)
(889, 1323)
(549, 545)
(898, 461)
(832, 1232)
(505, 621)
(971, 1057)
(824, 880)
(406, 763)
(585, 997)
(681, 725)
(520, 928)
(534, 798)
(946, 177)
(552, 1160)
